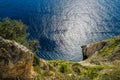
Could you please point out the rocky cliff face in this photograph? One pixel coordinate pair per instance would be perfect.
(110, 46)
(90, 49)
(102, 63)
(103, 59)
(15, 61)
(107, 51)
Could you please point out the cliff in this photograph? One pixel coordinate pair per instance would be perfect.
(15, 61)
(102, 63)
(103, 59)
(90, 49)
(107, 49)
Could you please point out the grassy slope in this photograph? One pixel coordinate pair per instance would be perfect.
(103, 65)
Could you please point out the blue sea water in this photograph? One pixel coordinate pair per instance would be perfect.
(63, 26)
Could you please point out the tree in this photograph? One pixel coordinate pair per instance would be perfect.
(16, 30)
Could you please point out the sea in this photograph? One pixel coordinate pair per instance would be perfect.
(63, 26)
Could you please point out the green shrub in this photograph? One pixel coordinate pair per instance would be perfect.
(36, 61)
(76, 69)
(13, 30)
(63, 68)
(16, 30)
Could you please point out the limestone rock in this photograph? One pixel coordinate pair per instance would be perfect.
(15, 61)
(90, 49)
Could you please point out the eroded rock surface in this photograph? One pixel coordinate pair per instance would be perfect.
(90, 49)
(15, 61)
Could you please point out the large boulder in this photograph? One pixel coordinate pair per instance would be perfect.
(16, 61)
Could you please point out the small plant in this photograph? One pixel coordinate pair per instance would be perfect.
(36, 61)
(63, 68)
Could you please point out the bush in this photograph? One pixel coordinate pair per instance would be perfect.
(16, 30)
(13, 30)
(64, 68)
(36, 61)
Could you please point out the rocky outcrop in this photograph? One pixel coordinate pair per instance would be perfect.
(90, 49)
(16, 61)
(105, 48)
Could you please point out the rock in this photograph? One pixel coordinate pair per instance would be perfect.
(90, 49)
(16, 61)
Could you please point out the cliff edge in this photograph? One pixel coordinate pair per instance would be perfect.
(90, 49)
(102, 61)
(108, 50)
(16, 61)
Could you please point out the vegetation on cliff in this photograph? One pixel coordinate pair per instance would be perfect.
(16, 61)
(16, 30)
(102, 64)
